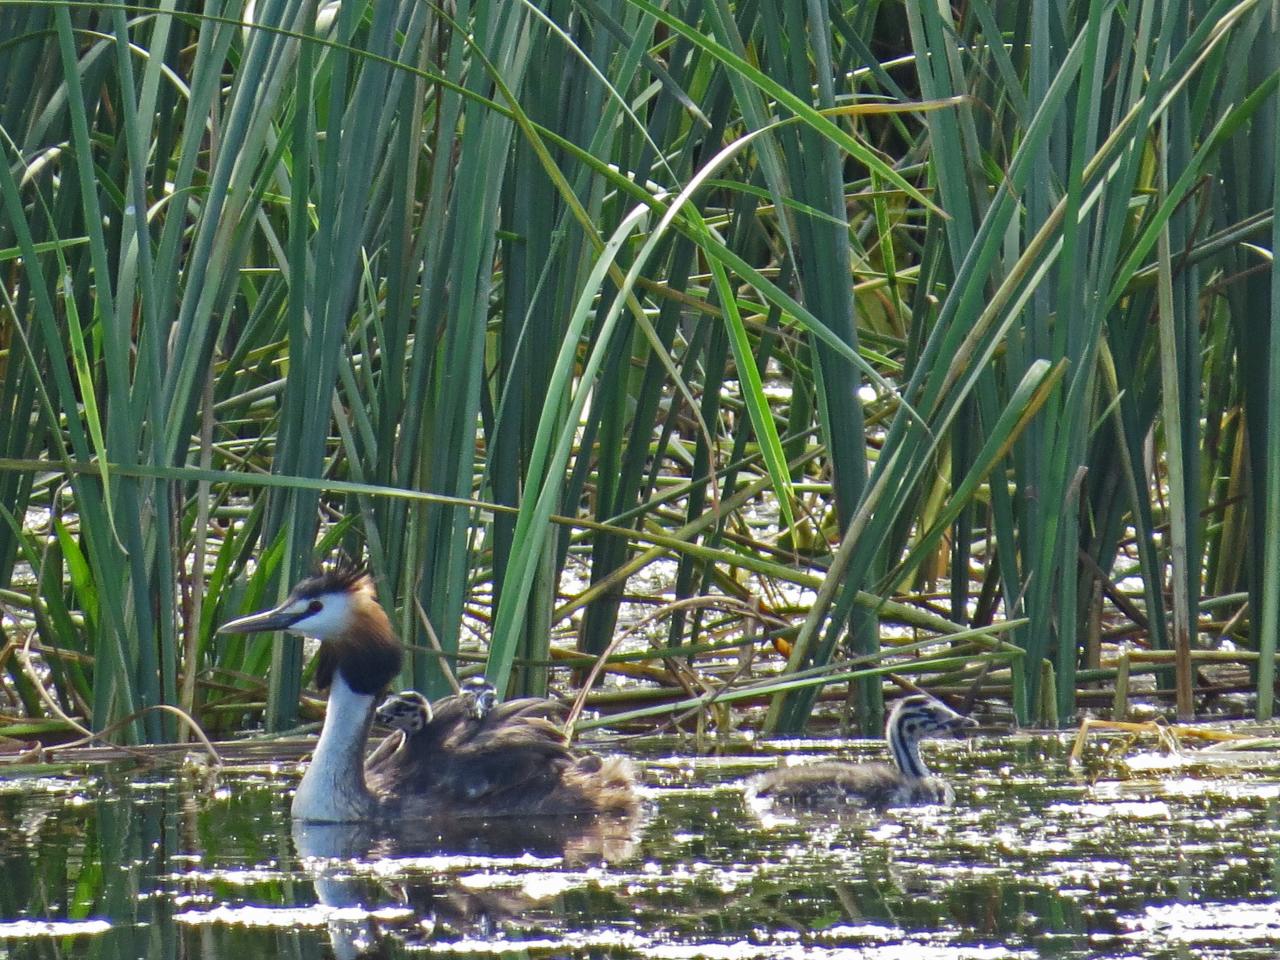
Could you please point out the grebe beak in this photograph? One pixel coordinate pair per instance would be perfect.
(278, 618)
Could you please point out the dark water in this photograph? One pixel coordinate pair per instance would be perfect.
(1033, 861)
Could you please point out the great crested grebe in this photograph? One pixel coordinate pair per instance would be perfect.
(905, 782)
(469, 757)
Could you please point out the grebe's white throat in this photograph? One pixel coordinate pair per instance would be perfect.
(333, 788)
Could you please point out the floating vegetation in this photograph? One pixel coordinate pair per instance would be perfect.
(1219, 746)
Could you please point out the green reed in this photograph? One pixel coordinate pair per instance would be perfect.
(494, 292)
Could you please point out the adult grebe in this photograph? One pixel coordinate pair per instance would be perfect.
(905, 782)
(471, 757)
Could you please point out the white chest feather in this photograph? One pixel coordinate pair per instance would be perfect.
(333, 788)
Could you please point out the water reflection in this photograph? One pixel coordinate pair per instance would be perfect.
(1033, 860)
(357, 867)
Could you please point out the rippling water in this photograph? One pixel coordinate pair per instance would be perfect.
(1034, 860)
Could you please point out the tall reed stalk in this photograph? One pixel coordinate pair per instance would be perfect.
(824, 302)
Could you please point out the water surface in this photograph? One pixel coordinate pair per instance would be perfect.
(1034, 860)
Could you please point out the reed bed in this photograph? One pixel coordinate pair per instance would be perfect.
(833, 341)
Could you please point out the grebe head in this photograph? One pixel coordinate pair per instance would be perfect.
(340, 608)
(483, 696)
(407, 710)
(911, 720)
(324, 606)
(920, 715)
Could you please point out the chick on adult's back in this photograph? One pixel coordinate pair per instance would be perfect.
(507, 759)
(836, 784)
(468, 755)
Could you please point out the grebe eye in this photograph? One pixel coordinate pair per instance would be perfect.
(315, 606)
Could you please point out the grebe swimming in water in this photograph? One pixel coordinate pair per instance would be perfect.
(469, 756)
(836, 784)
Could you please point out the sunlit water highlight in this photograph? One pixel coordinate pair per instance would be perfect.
(1034, 860)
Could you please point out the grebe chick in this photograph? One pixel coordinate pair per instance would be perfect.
(906, 782)
(407, 711)
(410, 711)
(469, 757)
(483, 694)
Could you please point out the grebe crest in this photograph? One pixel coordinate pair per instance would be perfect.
(837, 784)
(465, 756)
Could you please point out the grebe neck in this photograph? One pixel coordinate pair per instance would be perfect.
(906, 750)
(333, 789)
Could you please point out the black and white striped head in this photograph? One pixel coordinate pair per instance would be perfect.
(911, 720)
(482, 694)
(407, 710)
(920, 716)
